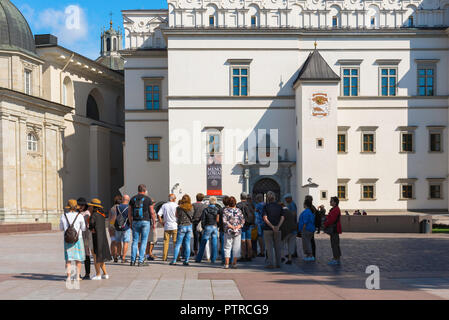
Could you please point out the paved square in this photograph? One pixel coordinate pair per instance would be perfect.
(412, 266)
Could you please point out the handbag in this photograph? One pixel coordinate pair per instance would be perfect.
(199, 228)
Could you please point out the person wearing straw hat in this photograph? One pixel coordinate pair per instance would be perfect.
(97, 225)
(87, 235)
(73, 251)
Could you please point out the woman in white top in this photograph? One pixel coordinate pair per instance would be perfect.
(73, 251)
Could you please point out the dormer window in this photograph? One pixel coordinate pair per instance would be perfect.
(334, 21)
(27, 81)
(253, 21)
(373, 21)
(410, 22)
(211, 21)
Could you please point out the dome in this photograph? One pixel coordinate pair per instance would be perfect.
(15, 33)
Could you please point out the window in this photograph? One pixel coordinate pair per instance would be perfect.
(368, 142)
(253, 21)
(435, 142)
(152, 95)
(320, 143)
(334, 21)
(240, 81)
(373, 21)
(31, 142)
(341, 143)
(435, 138)
(323, 195)
(341, 192)
(435, 191)
(27, 82)
(410, 22)
(368, 192)
(407, 142)
(388, 81)
(406, 191)
(426, 78)
(211, 21)
(213, 143)
(368, 189)
(153, 149)
(436, 188)
(350, 82)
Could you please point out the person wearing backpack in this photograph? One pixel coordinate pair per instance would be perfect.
(249, 216)
(73, 225)
(209, 223)
(332, 227)
(141, 218)
(122, 229)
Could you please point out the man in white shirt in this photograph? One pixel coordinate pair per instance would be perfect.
(167, 217)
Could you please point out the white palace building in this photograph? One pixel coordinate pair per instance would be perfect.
(344, 97)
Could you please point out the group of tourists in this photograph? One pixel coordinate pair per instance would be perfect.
(237, 231)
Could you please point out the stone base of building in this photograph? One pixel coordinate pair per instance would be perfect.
(30, 217)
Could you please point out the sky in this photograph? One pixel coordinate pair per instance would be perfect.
(78, 24)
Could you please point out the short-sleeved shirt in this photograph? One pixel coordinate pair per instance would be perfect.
(168, 213)
(147, 202)
(273, 211)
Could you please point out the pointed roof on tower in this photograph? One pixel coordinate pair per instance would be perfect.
(315, 68)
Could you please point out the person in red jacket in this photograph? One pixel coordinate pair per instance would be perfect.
(333, 221)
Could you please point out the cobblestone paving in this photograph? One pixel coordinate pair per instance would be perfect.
(411, 266)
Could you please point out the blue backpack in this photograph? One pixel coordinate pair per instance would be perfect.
(138, 209)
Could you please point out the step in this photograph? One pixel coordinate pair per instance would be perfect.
(24, 227)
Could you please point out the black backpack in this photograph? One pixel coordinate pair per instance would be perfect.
(71, 235)
(120, 221)
(138, 208)
(248, 214)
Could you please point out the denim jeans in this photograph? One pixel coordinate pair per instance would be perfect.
(183, 238)
(209, 231)
(222, 250)
(141, 230)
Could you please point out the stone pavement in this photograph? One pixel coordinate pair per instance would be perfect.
(411, 267)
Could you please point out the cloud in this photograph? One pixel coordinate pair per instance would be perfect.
(27, 12)
(69, 25)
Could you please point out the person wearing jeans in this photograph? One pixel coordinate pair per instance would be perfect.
(273, 216)
(209, 221)
(142, 218)
(184, 214)
(306, 227)
(233, 222)
(141, 231)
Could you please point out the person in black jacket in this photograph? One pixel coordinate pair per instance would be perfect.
(209, 222)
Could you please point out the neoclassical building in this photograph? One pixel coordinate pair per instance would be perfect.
(342, 97)
(61, 124)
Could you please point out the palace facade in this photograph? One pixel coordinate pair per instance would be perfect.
(342, 97)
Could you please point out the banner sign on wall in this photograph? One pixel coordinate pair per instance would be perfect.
(214, 176)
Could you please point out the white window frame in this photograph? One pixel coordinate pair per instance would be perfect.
(427, 64)
(342, 87)
(343, 183)
(322, 143)
(33, 143)
(436, 182)
(154, 141)
(435, 130)
(321, 195)
(403, 131)
(368, 183)
(364, 131)
(343, 131)
(28, 81)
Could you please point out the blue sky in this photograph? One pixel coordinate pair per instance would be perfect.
(50, 16)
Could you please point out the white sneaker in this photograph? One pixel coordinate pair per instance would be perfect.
(105, 276)
(96, 278)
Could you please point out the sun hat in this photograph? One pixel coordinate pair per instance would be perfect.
(95, 203)
(72, 204)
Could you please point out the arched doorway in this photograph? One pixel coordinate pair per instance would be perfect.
(92, 108)
(264, 185)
